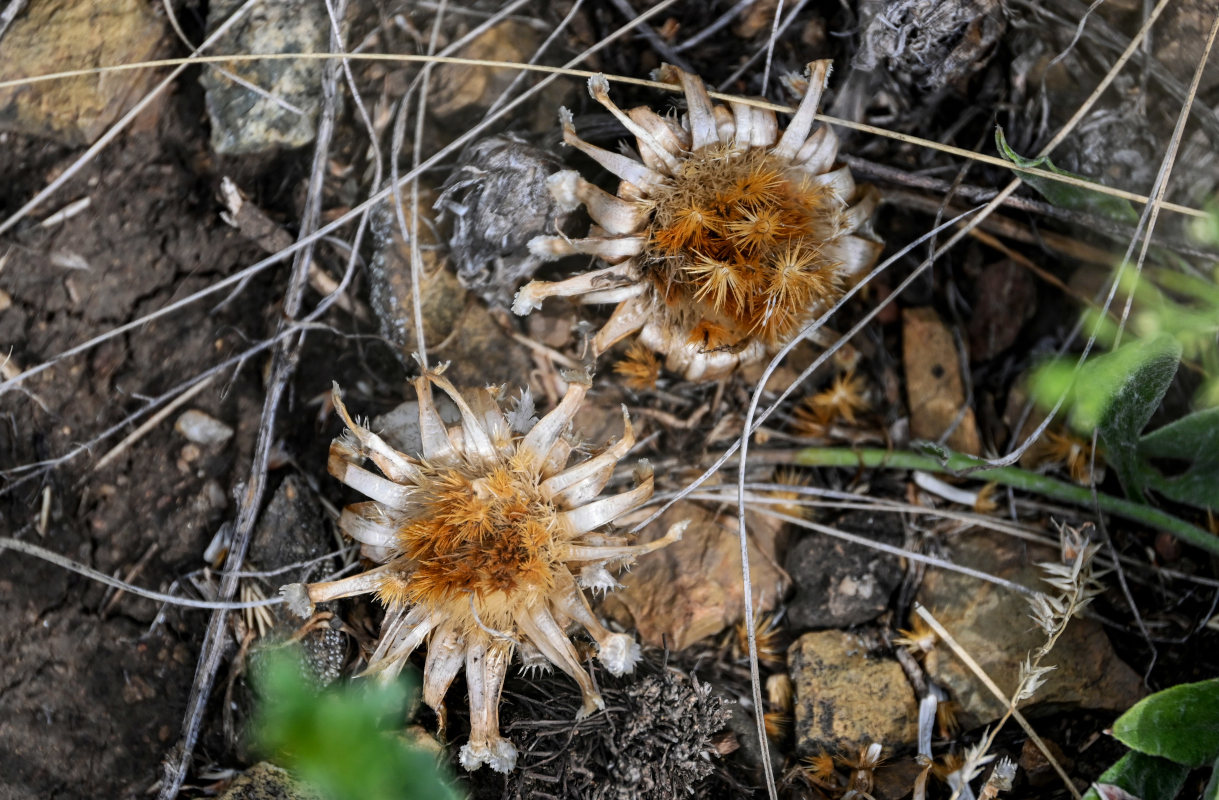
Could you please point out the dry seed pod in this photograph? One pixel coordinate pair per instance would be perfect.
(486, 541)
(724, 240)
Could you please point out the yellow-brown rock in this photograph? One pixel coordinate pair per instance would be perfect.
(62, 35)
(934, 388)
(847, 697)
(692, 589)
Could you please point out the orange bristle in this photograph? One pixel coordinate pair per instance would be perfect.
(640, 369)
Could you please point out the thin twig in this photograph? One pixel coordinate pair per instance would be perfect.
(284, 359)
(101, 577)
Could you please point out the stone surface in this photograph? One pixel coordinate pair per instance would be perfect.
(285, 113)
(838, 583)
(1004, 298)
(291, 531)
(692, 589)
(934, 388)
(846, 697)
(60, 35)
(461, 91)
(456, 327)
(992, 624)
(202, 428)
(265, 781)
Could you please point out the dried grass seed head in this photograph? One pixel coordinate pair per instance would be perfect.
(485, 540)
(723, 240)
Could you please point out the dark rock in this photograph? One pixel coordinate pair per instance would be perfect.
(456, 327)
(838, 583)
(1005, 297)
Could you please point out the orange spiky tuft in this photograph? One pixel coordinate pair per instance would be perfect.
(777, 725)
(1062, 447)
(640, 369)
(767, 635)
(919, 639)
(819, 769)
(986, 503)
(757, 259)
(945, 765)
(841, 401)
(789, 500)
(947, 718)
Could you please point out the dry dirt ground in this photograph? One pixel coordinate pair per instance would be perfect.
(94, 685)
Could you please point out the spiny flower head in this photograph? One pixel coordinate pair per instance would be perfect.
(723, 240)
(486, 540)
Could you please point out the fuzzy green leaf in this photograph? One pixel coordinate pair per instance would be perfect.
(1180, 723)
(1194, 437)
(1146, 777)
(1065, 195)
(1138, 375)
(1198, 486)
(339, 741)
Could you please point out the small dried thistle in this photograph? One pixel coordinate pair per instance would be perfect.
(1061, 447)
(859, 784)
(486, 540)
(724, 240)
(840, 402)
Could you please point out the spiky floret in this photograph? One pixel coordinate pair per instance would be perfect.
(485, 540)
(724, 239)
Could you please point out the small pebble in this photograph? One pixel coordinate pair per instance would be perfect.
(201, 428)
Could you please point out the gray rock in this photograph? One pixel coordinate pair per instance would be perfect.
(839, 584)
(291, 531)
(285, 113)
(847, 697)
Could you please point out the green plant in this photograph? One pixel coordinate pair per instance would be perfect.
(339, 741)
(1115, 394)
(1168, 733)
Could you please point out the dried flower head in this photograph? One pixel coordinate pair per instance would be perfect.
(486, 540)
(724, 240)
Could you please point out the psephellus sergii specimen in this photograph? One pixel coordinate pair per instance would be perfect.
(485, 542)
(724, 239)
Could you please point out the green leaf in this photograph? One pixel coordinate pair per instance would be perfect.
(1065, 195)
(1136, 376)
(1180, 723)
(337, 741)
(1198, 486)
(1146, 777)
(1194, 437)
